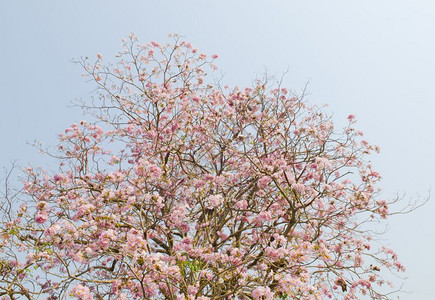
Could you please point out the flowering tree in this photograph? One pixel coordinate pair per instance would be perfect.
(183, 189)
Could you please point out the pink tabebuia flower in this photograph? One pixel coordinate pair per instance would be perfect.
(215, 201)
(81, 292)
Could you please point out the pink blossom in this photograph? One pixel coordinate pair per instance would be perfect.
(58, 177)
(52, 230)
(215, 201)
(262, 217)
(192, 290)
(134, 240)
(106, 237)
(322, 162)
(81, 292)
(264, 182)
(242, 204)
(41, 217)
(262, 293)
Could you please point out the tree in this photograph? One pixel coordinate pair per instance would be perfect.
(183, 189)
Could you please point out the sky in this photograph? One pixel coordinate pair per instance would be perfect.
(371, 58)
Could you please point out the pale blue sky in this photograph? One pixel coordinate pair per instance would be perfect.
(373, 58)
